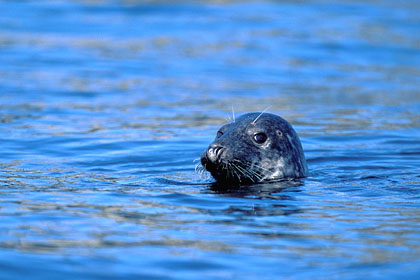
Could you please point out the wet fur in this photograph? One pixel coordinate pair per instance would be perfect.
(240, 160)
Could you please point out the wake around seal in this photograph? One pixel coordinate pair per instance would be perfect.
(254, 148)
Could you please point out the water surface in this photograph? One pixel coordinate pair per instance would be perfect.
(105, 105)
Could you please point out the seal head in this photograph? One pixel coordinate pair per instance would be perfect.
(256, 147)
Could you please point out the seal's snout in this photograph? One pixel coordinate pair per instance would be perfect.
(214, 152)
(211, 157)
(212, 160)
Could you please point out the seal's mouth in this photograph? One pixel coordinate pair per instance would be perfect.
(233, 172)
(214, 167)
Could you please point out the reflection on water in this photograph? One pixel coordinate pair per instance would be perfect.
(105, 105)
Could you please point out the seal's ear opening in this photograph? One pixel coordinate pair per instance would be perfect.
(279, 133)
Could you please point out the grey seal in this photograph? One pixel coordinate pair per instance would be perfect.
(254, 148)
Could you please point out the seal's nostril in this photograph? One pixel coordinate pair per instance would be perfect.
(214, 152)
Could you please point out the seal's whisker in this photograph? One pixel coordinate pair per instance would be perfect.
(231, 171)
(247, 173)
(238, 176)
(236, 170)
(199, 168)
(266, 109)
(254, 172)
(225, 167)
(230, 175)
(255, 168)
(260, 168)
(233, 113)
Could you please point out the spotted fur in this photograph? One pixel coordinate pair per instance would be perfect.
(236, 156)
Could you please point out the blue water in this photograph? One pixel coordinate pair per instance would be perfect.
(105, 105)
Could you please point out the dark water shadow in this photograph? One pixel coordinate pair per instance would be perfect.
(268, 199)
(276, 190)
(264, 199)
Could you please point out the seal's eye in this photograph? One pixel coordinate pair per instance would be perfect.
(219, 134)
(260, 137)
